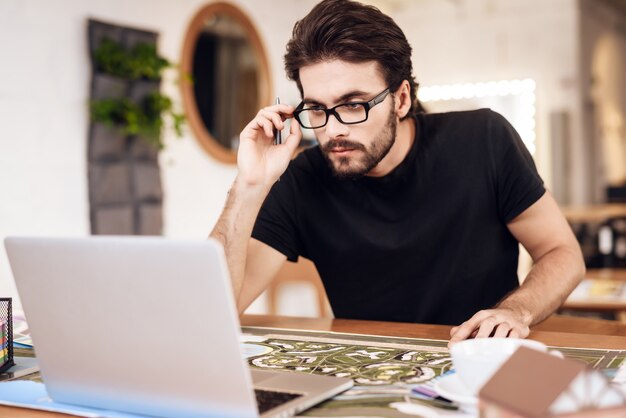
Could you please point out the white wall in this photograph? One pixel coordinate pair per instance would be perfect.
(44, 82)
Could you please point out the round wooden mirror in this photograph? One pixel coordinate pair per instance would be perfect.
(226, 77)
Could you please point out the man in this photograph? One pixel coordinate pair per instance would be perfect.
(407, 216)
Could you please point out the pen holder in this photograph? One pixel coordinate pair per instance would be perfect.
(6, 334)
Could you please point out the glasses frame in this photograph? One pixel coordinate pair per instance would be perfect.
(379, 98)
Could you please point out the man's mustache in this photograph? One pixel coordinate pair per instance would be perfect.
(342, 143)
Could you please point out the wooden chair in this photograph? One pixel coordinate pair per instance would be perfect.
(303, 271)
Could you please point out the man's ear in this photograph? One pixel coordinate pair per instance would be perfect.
(403, 99)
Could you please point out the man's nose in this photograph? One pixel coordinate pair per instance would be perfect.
(334, 128)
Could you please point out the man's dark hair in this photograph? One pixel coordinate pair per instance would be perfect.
(353, 32)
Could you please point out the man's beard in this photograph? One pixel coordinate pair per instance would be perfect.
(352, 168)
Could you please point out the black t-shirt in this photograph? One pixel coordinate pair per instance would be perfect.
(426, 243)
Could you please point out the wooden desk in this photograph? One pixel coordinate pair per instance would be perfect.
(556, 331)
(560, 331)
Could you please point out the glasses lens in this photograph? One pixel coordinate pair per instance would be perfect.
(312, 118)
(352, 112)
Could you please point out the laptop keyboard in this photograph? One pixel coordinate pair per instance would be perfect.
(268, 399)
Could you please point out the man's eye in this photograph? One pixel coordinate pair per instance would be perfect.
(352, 106)
(316, 110)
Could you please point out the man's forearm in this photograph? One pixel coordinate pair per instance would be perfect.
(549, 282)
(558, 269)
(234, 227)
(551, 279)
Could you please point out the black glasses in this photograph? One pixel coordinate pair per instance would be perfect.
(346, 113)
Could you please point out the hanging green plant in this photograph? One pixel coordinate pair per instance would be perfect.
(145, 119)
(140, 62)
(149, 114)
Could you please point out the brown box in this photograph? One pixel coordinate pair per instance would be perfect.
(534, 384)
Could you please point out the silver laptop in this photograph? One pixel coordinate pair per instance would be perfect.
(148, 326)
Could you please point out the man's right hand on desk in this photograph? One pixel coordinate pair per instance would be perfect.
(497, 322)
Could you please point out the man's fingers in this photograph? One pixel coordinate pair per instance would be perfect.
(486, 327)
(453, 331)
(257, 124)
(502, 330)
(474, 322)
(519, 332)
(461, 333)
(467, 329)
(271, 121)
(514, 333)
(294, 137)
(268, 119)
(281, 108)
(489, 323)
(266, 126)
(274, 117)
